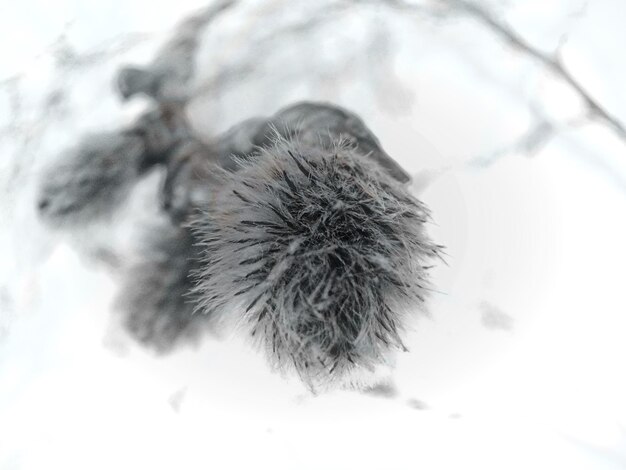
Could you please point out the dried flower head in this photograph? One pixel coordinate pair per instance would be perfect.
(322, 252)
(92, 179)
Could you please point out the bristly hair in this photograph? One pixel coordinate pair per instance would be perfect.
(320, 251)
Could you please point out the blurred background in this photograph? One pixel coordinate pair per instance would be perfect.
(511, 116)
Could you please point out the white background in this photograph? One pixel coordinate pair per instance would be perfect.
(520, 363)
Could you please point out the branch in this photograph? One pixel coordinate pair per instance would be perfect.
(253, 55)
(441, 9)
(553, 63)
(529, 143)
(166, 79)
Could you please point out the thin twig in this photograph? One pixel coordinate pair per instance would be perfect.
(551, 62)
(449, 8)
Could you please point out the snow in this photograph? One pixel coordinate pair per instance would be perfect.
(537, 239)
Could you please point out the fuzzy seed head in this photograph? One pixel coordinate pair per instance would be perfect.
(155, 301)
(91, 180)
(323, 253)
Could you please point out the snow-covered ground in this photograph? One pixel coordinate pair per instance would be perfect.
(521, 361)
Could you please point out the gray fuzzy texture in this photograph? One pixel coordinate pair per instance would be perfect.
(94, 178)
(91, 180)
(155, 302)
(320, 250)
(298, 226)
(314, 124)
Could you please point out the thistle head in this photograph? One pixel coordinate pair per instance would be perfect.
(320, 252)
(90, 180)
